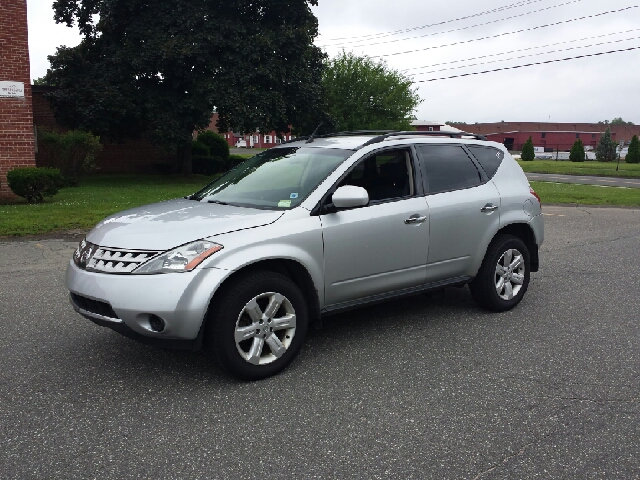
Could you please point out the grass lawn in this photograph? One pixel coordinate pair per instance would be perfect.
(96, 197)
(586, 194)
(601, 169)
(80, 208)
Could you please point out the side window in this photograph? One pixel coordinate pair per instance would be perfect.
(490, 158)
(448, 167)
(384, 176)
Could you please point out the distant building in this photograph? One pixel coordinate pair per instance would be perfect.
(549, 136)
(427, 126)
(249, 140)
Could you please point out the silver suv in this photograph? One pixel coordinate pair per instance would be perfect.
(309, 228)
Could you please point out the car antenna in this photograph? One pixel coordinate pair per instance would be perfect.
(312, 136)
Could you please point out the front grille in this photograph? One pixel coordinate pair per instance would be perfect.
(93, 306)
(116, 260)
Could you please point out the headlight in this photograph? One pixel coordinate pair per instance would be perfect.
(181, 259)
(83, 253)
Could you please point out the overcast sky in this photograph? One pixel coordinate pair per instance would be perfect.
(582, 90)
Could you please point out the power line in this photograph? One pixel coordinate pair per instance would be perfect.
(519, 50)
(507, 33)
(527, 65)
(498, 20)
(397, 32)
(526, 56)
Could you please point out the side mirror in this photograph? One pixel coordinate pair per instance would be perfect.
(349, 196)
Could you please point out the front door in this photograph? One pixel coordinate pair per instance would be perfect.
(382, 247)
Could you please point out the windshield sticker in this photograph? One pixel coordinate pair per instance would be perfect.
(284, 203)
(293, 195)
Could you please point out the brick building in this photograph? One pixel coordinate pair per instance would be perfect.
(16, 114)
(249, 140)
(550, 136)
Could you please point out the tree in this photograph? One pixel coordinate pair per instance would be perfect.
(217, 144)
(160, 67)
(362, 94)
(606, 148)
(528, 153)
(615, 121)
(577, 152)
(633, 155)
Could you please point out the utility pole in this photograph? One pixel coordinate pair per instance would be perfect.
(620, 146)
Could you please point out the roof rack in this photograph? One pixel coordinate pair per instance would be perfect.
(380, 138)
(384, 134)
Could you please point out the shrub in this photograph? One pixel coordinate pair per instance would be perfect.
(73, 152)
(207, 165)
(34, 183)
(235, 160)
(528, 153)
(217, 144)
(633, 155)
(200, 149)
(577, 152)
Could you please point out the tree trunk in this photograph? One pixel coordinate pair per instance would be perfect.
(184, 156)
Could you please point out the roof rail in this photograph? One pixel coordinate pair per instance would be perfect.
(380, 138)
(384, 134)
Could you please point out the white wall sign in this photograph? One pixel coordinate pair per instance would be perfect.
(12, 89)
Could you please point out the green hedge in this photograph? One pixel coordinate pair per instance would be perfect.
(206, 165)
(35, 183)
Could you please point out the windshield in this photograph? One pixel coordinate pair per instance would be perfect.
(279, 178)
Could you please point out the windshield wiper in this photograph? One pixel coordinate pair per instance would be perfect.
(218, 202)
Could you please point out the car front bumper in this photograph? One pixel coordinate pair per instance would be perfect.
(127, 303)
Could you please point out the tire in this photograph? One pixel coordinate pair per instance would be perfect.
(251, 339)
(496, 287)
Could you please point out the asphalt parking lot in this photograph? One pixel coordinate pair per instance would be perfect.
(426, 387)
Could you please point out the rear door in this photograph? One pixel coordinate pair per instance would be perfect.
(464, 209)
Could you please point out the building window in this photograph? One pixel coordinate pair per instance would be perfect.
(256, 139)
(593, 135)
(431, 129)
(577, 135)
(544, 134)
(267, 139)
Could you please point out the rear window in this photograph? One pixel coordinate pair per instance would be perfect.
(489, 158)
(447, 167)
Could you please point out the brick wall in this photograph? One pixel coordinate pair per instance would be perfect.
(16, 114)
(132, 156)
(621, 132)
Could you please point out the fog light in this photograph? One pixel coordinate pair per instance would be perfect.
(156, 323)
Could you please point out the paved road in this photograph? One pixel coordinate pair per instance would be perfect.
(585, 179)
(426, 387)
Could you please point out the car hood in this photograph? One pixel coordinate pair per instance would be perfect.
(166, 225)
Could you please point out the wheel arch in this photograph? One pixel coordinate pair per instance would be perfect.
(525, 233)
(292, 269)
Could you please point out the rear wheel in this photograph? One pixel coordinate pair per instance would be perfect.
(503, 277)
(259, 325)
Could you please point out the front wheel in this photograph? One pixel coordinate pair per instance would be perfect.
(259, 325)
(503, 277)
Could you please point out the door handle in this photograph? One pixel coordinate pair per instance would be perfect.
(415, 219)
(489, 207)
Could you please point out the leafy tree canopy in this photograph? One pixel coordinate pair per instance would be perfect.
(615, 121)
(362, 94)
(162, 67)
